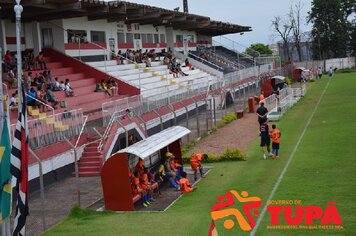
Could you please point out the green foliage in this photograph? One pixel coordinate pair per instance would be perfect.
(227, 120)
(228, 155)
(331, 32)
(289, 80)
(260, 48)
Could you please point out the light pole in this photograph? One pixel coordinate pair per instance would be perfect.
(18, 10)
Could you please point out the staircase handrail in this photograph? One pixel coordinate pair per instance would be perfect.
(235, 50)
(238, 65)
(234, 42)
(27, 95)
(114, 116)
(81, 131)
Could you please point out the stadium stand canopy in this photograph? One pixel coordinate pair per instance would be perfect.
(115, 11)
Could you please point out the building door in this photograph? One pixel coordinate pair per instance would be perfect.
(47, 38)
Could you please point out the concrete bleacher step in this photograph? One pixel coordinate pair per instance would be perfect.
(89, 168)
(61, 71)
(87, 81)
(54, 65)
(88, 173)
(72, 77)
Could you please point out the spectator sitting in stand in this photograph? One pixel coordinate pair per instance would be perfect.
(12, 102)
(101, 87)
(9, 60)
(62, 87)
(188, 64)
(111, 84)
(31, 97)
(51, 98)
(41, 94)
(68, 89)
(11, 78)
(39, 60)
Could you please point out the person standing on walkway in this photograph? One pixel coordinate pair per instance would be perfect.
(331, 71)
(262, 113)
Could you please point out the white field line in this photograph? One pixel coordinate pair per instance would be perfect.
(259, 220)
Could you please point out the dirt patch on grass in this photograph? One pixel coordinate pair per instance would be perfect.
(237, 135)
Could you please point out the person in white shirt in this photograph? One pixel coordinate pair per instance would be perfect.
(331, 71)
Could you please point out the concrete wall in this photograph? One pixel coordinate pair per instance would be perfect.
(340, 63)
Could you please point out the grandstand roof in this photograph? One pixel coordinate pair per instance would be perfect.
(114, 11)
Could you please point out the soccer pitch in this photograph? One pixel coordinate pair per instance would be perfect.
(323, 169)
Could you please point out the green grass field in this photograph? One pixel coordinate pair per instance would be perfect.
(322, 170)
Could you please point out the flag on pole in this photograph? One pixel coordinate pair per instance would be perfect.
(212, 229)
(5, 174)
(19, 168)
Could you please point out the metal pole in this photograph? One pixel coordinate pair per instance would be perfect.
(187, 120)
(18, 10)
(170, 107)
(75, 169)
(160, 118)
(197, 116)
(214, 113)
(80, 58)
(41, 187)
(207, 114)
(6, 231)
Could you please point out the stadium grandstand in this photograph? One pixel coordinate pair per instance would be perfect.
(116, 67)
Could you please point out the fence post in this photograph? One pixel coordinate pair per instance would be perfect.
(214, 110)
(160, 118)
(197, 116)
(187, 120)
(41, 187)
(207, 114)
(170, 107)
(75, 169)
(126, 133)
(144, 123)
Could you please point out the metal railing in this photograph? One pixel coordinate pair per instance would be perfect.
(54, 128)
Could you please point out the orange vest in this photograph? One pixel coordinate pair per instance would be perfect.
(275, 136)
(184, 184)
(196, 158)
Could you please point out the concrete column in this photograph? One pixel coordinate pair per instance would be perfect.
(3, 37)
(36, 35)
(170, 37)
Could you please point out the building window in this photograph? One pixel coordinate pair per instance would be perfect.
(163, 38)
(121, 37)
(179, 38)
(137, 36)
(97, 36)
(129, 38)
(191, 38)
(76, 36)
(149, 38)
(156, 38)
(144, 38)
(137, 26)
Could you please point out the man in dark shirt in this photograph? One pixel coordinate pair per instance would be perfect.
(262, 113)
(265, 139)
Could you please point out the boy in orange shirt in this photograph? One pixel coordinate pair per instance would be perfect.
(184, 184)
(195, 163)
(136, 189)
(275, 135)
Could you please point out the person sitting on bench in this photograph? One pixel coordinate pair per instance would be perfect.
(184, 184)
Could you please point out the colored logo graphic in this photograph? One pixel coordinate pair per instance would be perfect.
(244, 218)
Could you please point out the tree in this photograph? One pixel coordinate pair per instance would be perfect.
(330, 31)
(283, 28)
(295, 19)
(258, 49)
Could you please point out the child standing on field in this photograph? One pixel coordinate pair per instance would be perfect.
(275, 135)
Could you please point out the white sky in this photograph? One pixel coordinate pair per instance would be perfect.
(255, 13)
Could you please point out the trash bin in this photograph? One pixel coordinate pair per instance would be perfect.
(251, 108)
